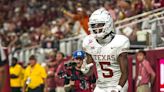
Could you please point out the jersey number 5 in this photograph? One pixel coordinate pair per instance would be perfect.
(102, 64)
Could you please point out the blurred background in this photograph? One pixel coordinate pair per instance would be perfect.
(45, 27)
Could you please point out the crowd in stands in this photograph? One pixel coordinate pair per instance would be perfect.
(26, 23)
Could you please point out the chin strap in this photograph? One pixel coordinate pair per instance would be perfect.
(107, 38)
(111, 33)
(104, 39)
(98, 36)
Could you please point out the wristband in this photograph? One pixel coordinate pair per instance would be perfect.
(119, 87)
(89, 65)
(85, 70)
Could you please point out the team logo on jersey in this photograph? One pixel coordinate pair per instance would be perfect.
(92, 47)
(90, 41)
(104, 57)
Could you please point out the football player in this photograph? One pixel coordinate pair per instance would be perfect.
(109, 51)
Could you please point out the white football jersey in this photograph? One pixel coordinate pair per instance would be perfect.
(108, 69)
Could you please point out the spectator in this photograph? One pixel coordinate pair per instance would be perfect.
(52, 65)
(16, 72)
(146, 74)
(158, 3)
(58, 67)
(137, 7)
(124, 9)
(2, 75)
(35, 77)
(161, 3)
(81, 16)
(110, 6)
(54, 83)
(18, 17)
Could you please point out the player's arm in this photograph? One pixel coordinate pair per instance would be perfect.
(89, 58)
(88, 62)
(88, 65)
(122, 59)
(123, 62)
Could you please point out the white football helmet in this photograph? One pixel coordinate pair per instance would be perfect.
(101, 23)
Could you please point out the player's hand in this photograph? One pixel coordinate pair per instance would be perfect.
(86, 67)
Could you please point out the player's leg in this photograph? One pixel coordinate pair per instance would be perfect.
(97, 89)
